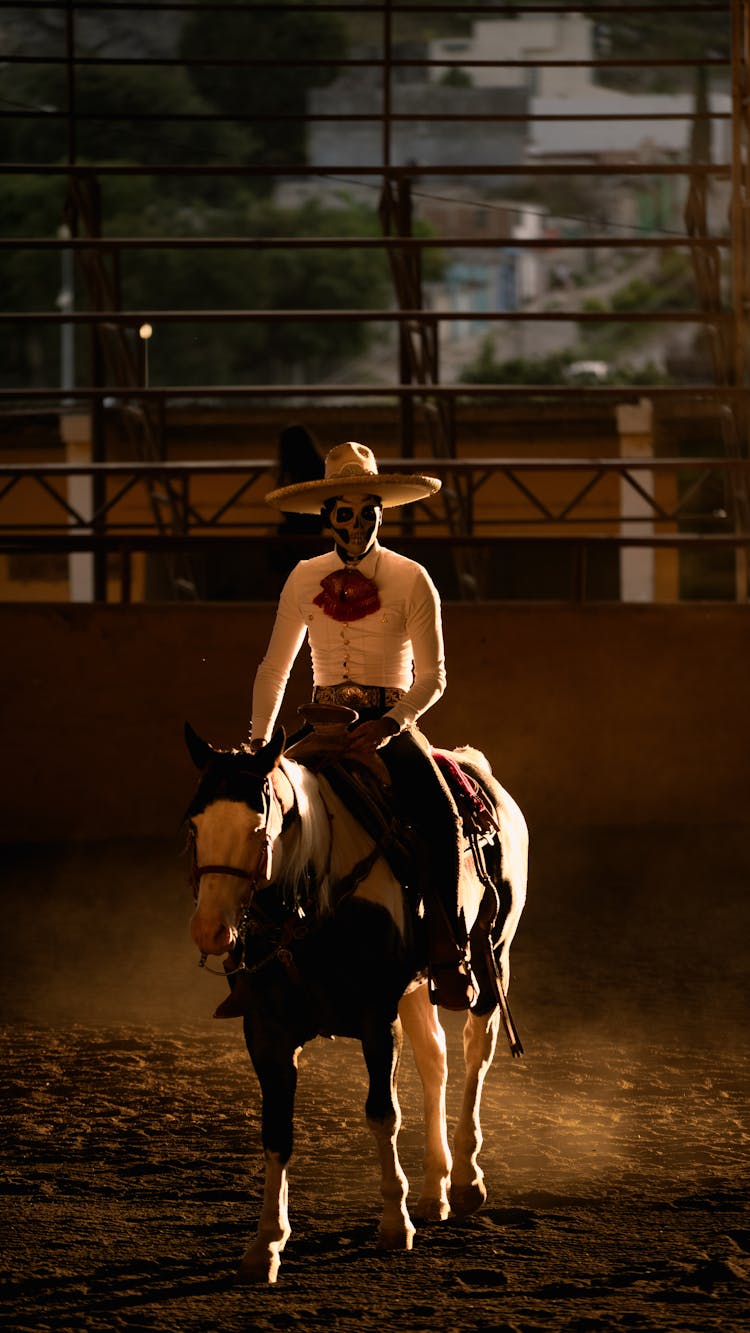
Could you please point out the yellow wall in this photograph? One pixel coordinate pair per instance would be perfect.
(592, 716)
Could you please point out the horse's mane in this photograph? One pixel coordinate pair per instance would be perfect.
(303, 843)
(309, 840)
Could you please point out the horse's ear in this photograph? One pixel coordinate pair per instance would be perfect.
(200, 750)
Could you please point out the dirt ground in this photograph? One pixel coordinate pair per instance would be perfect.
(615, 1152)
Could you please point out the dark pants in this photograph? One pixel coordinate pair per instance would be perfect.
(421, 798)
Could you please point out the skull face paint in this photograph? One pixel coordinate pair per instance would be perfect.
(354, 521)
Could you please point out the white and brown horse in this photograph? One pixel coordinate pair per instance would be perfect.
(327, 941)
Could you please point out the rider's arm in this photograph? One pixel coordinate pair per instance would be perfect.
(273, 673)
(425, 628)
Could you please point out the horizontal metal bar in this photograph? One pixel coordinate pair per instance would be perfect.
(112, 243)
(132, 318)
(185, 394)
(375, 117)
(620, 169)
(491, 528)
(492, 466)
(135, 541)
(183, 6)
(358, 62)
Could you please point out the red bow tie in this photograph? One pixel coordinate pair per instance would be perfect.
(347, 595)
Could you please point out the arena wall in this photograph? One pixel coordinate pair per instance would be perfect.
(592, 716)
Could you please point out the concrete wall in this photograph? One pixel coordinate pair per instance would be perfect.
(592, 716)
(429, 143)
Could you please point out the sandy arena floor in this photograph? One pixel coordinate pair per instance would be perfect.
(615, 1152)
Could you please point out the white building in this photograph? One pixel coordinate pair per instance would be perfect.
(644, 138)
(565, 37)
(569, 90)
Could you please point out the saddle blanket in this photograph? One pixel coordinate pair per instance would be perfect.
(467, 794)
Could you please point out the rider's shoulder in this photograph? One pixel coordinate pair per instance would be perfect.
(403, 565)
(317, 564)
(305, 575)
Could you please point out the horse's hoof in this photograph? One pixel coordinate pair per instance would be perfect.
(467, 1199)
(256, 1269)
(396, 1240)
(431, 1210)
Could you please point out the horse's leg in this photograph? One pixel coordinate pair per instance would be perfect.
(277, 1075)
(262, 1258)
(467, 1181)
(423, 1028)
(381, 1044)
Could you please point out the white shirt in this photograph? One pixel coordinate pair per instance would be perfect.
(400, 644)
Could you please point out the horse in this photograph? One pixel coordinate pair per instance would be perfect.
(323, 939)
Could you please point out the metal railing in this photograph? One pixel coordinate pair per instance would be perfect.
(500, 494)
(417, 391)
(611, 507)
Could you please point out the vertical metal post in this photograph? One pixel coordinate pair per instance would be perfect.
(74, 429)
(736, 208)
(740, 227)
(410, 260)
(387, 75)
(98, 380)
(161, 419)
(70, 79)
(403, 226)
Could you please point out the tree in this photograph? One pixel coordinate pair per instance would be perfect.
(265, 91)
(552, 369)
(222, 279)
(649, 36)
(174, 205)
(112, 103)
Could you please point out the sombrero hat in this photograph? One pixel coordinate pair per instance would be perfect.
(351, 468)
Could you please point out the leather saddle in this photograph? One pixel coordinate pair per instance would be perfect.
(325, 746)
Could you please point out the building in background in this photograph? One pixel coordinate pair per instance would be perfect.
(564, 37)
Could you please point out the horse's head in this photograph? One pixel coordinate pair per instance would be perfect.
(234, 819)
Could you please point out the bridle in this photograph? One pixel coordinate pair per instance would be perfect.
(253, 877)
(260, 873)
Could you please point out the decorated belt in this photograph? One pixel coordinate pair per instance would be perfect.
(351, 695)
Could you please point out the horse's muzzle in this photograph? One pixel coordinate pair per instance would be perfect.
(212, 936)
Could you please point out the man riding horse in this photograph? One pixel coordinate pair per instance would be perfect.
(374, 626)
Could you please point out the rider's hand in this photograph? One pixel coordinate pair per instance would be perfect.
(256, 745)
(370, 736)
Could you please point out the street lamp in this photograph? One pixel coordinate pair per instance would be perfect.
(144, 333)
